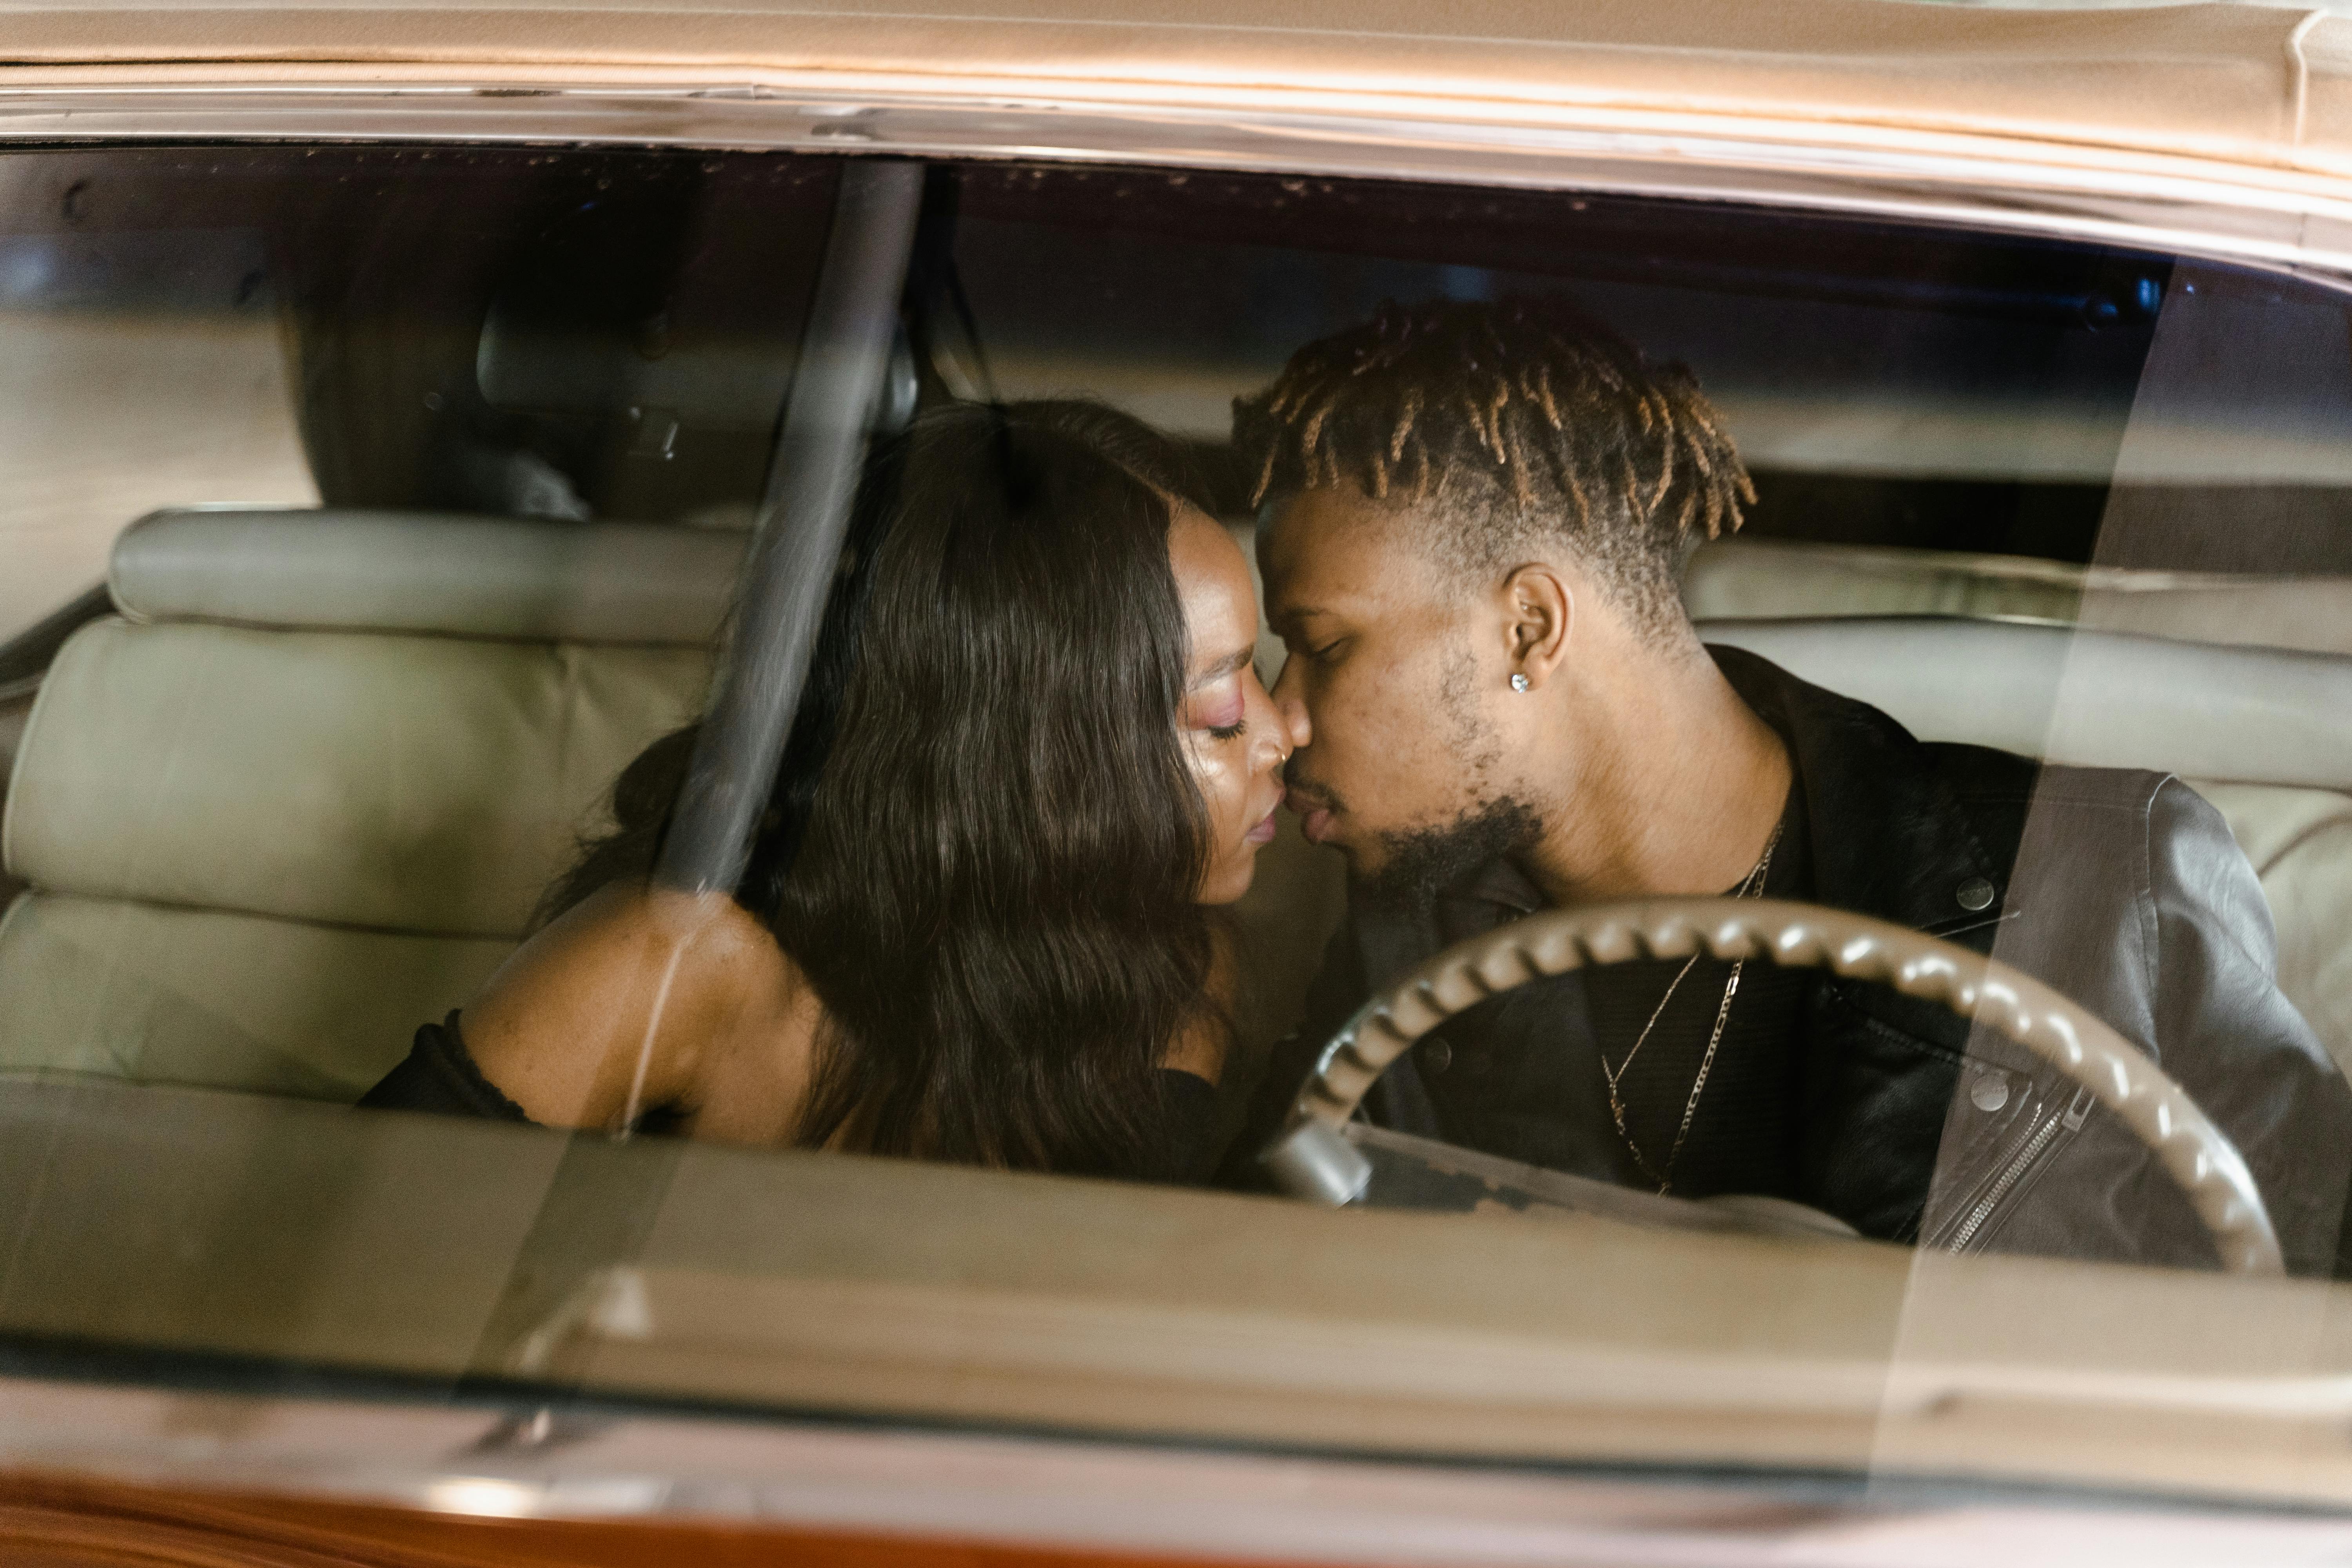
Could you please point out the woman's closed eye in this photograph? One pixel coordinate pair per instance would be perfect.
(1220, 712)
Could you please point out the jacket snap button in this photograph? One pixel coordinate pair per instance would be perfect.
(1975, 894)
(1990, 1090)
(1436, 1056)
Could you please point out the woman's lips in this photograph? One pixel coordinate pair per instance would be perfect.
(1263, 834)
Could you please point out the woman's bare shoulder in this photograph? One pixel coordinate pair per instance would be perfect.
(698, 950)
(625, 1001)
(632, 911)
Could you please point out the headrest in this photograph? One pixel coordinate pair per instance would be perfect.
(2098, 699)
(521, 578)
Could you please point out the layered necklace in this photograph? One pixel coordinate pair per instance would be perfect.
(1750, 887)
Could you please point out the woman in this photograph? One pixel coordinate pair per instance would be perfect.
(1032, 748)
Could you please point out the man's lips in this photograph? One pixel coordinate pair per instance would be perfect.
(1315, 814)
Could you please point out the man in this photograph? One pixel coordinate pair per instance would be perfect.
(1473, 519)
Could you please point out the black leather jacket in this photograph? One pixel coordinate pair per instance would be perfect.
(2124, 889)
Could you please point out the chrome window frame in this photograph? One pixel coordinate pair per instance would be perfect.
(2265, 216)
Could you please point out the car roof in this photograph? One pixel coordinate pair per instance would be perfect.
(2249, 86)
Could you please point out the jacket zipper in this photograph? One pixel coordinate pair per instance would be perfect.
(2027, 1152)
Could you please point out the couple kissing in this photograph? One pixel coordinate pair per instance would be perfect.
(1034, 755)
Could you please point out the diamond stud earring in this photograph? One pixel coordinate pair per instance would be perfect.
(1518, 682)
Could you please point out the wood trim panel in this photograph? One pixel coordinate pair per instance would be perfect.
(58, 1522)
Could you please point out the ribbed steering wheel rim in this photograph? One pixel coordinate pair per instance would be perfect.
(2194, 1152)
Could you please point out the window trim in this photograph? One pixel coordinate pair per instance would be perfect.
(2214, 209)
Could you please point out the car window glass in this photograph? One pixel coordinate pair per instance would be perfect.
(157, 341)
(422, 485)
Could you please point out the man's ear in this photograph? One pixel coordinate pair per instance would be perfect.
(1540, 605)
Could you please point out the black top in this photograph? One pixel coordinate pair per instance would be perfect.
(440, 1075)
(1521, 1076)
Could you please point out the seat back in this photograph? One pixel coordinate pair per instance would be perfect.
(1752, 579)
(305, 789)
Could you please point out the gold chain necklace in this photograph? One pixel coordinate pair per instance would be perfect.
(1750, 887)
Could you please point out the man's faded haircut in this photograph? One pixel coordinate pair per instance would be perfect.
(1503, 426)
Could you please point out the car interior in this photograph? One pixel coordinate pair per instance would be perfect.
(295, 782)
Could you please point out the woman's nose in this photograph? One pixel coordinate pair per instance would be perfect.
(1290, 722)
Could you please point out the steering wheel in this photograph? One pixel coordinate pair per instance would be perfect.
(1312, 1158)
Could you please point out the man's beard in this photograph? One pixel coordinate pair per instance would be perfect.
(1418, 864)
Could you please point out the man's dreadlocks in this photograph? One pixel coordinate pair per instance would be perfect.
(1500, 425)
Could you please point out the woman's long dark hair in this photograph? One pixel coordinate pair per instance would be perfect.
(984, 846)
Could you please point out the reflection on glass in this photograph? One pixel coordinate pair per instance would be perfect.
(1252, 591)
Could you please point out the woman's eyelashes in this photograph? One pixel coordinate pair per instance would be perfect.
(1223, 715)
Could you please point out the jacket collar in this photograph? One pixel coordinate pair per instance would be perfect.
(1890, 839)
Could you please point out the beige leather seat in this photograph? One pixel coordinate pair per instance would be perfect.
(1740, 579)
(303, 791)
